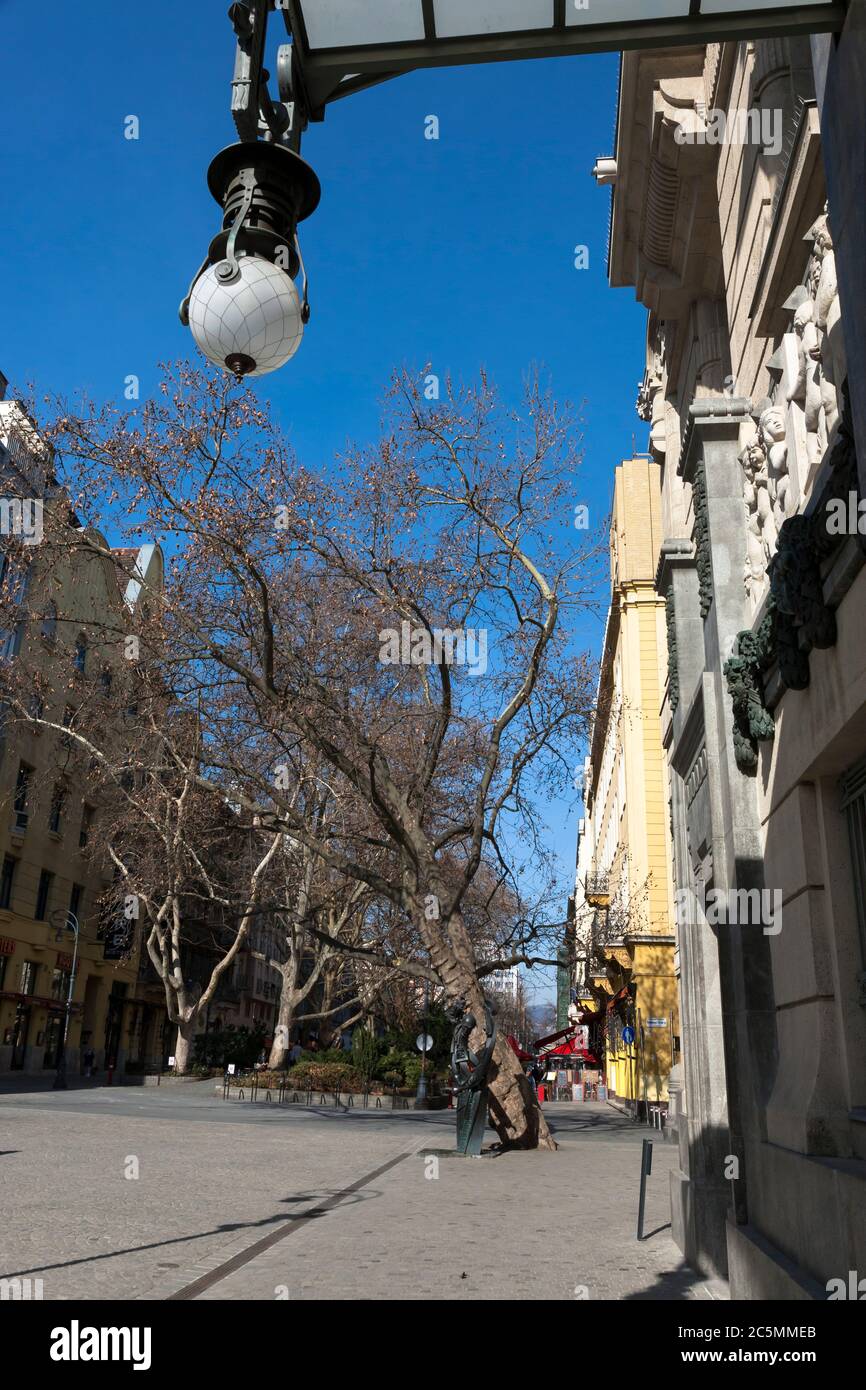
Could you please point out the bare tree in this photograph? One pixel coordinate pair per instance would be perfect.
(398, 614)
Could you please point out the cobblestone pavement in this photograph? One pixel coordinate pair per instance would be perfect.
(235, 1200)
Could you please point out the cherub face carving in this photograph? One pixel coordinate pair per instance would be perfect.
(772, 425)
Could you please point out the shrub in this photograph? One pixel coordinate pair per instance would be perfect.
(324, 1054)
(366, 1050)
(326, 1076)
(217, 1049)
(399, 1062)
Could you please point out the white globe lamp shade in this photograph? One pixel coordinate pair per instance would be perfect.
(246, 316)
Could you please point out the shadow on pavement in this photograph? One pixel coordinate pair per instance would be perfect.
(226, 1228)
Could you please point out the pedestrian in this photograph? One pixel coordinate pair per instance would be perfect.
(89, 1059)
(295, 1052)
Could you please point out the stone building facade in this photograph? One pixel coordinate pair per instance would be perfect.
(47, 813)
(622, 916)
(723, 223)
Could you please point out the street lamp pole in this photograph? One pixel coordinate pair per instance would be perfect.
(71, 924)
(421, 1092)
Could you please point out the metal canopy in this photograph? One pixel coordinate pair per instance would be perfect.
(342, 46)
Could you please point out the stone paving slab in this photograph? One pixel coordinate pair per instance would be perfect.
(514, 1226)
(216, 1177)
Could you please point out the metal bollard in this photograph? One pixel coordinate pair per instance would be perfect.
(646, 1167)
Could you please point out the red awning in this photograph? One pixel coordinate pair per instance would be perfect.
(568, 1032)
(623, 994)
(518, 1050)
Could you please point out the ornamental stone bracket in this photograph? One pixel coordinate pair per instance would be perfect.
(709, 462)
(814, 565)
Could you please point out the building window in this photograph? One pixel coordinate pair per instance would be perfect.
(48, 630)
(55, 815)
(4, 960)
(854, 806)
(68, 717)
(60, 985)
(6, 878)
(76, 898)
(29, 971)
(43, 894)
(86, 822)
(22, 790)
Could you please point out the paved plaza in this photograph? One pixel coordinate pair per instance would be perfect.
(235, 1200)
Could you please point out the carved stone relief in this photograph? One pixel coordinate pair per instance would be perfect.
(651, 394)
(800, 419)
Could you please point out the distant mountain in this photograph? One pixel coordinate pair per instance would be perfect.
(543, 1018)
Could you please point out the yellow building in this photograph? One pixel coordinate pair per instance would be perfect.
(624, 921)
(46, 813)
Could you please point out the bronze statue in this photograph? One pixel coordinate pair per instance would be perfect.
(469, 1070)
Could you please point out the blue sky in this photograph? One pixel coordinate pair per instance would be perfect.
(459, 251)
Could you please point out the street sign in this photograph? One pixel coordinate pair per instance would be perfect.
(628, 1035)
(656, 1023)
(423, 1042)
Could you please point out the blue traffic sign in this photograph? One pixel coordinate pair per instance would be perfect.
(628, 1035)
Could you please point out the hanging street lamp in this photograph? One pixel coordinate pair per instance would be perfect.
(243, 307)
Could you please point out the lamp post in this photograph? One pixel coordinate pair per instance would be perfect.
(421, 1091)
(69, 924)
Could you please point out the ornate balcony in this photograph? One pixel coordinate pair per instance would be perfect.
(597, 890)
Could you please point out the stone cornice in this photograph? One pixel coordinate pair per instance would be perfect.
(677, 552)
(662, 240)
(712, 415)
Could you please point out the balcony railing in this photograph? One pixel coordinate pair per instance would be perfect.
(597, 890)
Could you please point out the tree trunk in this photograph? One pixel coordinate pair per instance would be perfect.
(514, 1109)
(326, 1023)
(183, 1045)
(283, 1032)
